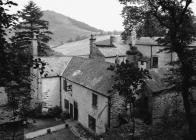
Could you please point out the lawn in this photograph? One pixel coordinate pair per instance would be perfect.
(41, 123)
(64, 134)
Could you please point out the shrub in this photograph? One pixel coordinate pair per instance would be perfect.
(65, 115)
(54, 112)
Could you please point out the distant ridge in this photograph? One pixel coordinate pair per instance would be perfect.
(65, 28)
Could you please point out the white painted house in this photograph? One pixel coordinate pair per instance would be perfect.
(85, 94)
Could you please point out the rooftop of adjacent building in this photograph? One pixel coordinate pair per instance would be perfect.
(55, 66)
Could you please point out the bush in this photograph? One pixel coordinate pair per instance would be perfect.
(65, 115)
(35, 112)
(54, 112)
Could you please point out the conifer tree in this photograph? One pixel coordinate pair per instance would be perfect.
(32, 23)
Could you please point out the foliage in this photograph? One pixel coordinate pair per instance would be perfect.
(65, 115)
(54, 112)
(170, 127)
(16, 62)
(6, 22)
(136, 15)
(128, 80)
(31, 23)
(176, 17)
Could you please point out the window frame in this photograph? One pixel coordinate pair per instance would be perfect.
(66, 101)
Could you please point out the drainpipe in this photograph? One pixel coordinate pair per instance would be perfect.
(150, 56)
(171, 57)
(60, 94)
(109, 109)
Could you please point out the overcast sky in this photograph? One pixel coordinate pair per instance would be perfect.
(102, 14)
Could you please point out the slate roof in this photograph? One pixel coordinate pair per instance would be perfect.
(119, 48)
(91, 74)
(103, 43)
(55, 65)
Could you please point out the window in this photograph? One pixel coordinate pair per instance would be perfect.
(154, 62)
(91, 123)
(142, 62)
(66, 104)
(66, 86)
(94, 100)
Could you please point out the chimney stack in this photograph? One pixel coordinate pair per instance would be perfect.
(111, 40)
(133, 37)
(34, 46)
(92, 41)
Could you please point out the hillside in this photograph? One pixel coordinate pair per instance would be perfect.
(65, 28)
(78, 48)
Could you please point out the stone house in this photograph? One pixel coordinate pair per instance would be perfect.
(51, 90)
(109, 50)
(86, 97)
(115, 48)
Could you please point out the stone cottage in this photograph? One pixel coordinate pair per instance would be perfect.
(86, 96)
(109, 49)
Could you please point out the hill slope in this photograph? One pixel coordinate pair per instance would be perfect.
(65, 28)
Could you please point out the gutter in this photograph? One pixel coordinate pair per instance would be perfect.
(51, 76)
(109, 109)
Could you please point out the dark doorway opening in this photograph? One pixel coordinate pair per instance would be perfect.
(71, 110)
(75, 110)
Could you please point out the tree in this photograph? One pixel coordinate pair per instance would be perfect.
(146, 24)
(16, 61)
(6, 21)
(128, 80)
(176, 17)
(31, 23)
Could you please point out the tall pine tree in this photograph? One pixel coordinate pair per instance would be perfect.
(31, 23)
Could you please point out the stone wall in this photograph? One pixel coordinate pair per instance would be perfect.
(117, 107)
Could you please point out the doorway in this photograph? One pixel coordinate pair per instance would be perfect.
(71, 110)
(75, 110)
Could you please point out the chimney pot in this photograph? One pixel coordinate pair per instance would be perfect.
(111, 40)
(92, 41)
(34, 45)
